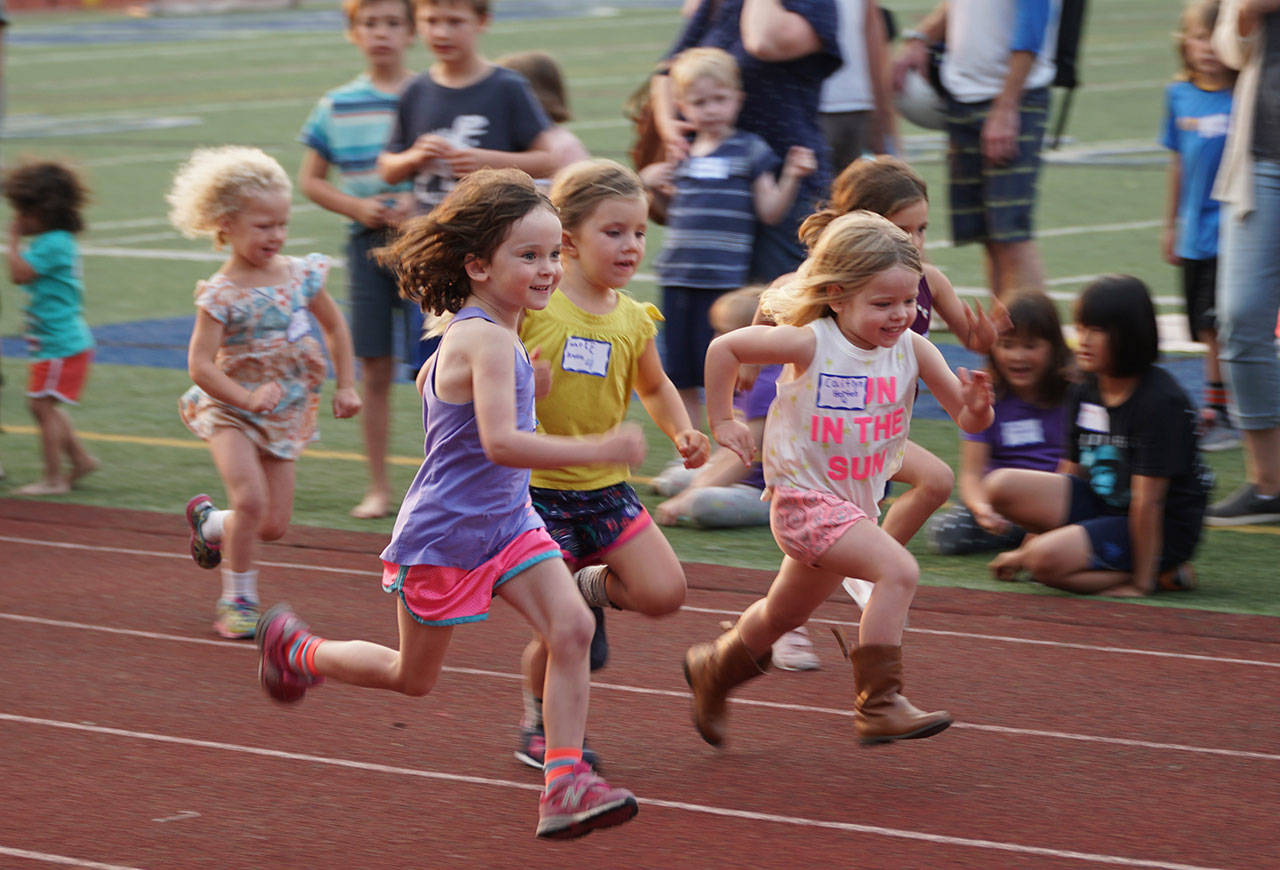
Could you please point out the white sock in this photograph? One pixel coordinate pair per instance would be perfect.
(211, 528)
(532, 710)
(591, 583)
(239, 584)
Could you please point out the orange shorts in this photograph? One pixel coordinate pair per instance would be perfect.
(807, 522)
(441, 595)
(62, 378)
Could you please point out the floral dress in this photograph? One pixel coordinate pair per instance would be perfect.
(268, 338)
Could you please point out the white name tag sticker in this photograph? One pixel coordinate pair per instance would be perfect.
(299, 325)
(1093, 418)
(708, 167)
(842, 392)
(586, 356)
(1016, 433)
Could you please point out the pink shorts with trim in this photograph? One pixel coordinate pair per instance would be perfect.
(62, 377)
(441, 595)
(807, 522)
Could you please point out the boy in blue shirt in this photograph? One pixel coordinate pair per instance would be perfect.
(1197, 109)
(347, 130)
(464, 113)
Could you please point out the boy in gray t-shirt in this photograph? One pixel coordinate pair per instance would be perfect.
(464, 113)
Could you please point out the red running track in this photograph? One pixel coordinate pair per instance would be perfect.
(1089, 732)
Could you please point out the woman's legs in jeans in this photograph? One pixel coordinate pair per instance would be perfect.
(1248, 301)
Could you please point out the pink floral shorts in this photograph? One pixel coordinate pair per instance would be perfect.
(807, 522)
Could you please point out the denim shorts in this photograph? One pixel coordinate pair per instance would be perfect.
(992, 203)
(375, 303)
(1108, 532)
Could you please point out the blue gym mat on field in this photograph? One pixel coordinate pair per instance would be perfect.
(162, 343)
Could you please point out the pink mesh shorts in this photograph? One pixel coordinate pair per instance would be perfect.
(807, 522)
(442, 595)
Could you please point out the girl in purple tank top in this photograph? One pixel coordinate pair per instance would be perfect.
(466, 529)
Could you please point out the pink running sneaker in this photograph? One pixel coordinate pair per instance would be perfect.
(581, 802)
(206, 553)
(276, 628)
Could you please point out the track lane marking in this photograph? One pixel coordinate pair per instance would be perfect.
(684, 806)
(669, 693)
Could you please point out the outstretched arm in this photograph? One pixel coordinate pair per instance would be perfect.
(966, 396)
(662, 400)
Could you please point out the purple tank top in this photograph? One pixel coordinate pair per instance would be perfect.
(924, 307)
(461, 508)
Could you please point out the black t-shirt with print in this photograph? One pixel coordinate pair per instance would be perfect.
(1153, 434)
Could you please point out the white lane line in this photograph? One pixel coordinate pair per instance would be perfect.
(60, 859)
(703, 809)
(359, 572)
(670, 693)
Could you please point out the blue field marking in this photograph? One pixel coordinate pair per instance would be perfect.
(162, 343)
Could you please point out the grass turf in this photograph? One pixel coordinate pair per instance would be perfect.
(141, 106)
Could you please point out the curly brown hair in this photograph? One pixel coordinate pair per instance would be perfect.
(50, 194)
(431, 252)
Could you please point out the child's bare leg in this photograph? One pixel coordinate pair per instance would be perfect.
(411, 670)
(1063, 559)
(52, 437)
(240, 465)
(1036, 500)
(547, 597)
(930, 480)
(376, 421)
(645, 575)
(281, 478)
(793, 596)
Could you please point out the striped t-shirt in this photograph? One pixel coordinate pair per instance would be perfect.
(349, 128)
(711, 221)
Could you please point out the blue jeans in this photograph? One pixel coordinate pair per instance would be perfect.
(1248, 302)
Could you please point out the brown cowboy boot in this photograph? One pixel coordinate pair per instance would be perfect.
(711, 670)
(882, 714)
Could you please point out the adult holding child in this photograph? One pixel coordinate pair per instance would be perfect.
(346, 130)
(784, 51)
(1247, 38)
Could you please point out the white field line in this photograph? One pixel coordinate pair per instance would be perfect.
(373, 570)
(64, 860)
(684, 806)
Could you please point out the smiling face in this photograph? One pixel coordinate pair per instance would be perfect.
(257, 232)
(607, 246)
(1022, 361)
(710, 105)
(879, 313)
(382, 30)
(913, 220)
(525, 268)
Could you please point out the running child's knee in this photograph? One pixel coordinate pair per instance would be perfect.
(272, 529)
(416, 685)
(937, 487)
(662, 601)
(570, 634)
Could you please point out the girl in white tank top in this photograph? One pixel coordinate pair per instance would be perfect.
(835, 434)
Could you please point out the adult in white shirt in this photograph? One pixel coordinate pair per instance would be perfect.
(856, 107)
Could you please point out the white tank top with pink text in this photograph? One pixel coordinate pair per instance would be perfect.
(841, 427)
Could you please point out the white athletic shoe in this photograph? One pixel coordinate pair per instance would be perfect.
(794, 652)
(859, 590)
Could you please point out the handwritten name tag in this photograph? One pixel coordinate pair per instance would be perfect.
(842, 392)
(708, 167)
(299, 325)
(1016, 433)
(586, 356)
(1093, 418)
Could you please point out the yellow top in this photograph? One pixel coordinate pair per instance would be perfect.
(594, 360)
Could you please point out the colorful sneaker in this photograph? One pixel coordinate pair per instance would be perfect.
(1244, 506)
(276, 629)
(206, 553)
(577, 804)
(533, 749)
(794, 652)
(236, 618)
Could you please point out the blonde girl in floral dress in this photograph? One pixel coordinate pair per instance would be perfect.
(257, 367)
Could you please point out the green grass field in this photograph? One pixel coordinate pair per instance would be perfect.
(127, 112)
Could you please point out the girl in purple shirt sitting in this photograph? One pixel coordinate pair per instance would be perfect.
(1030, 368)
